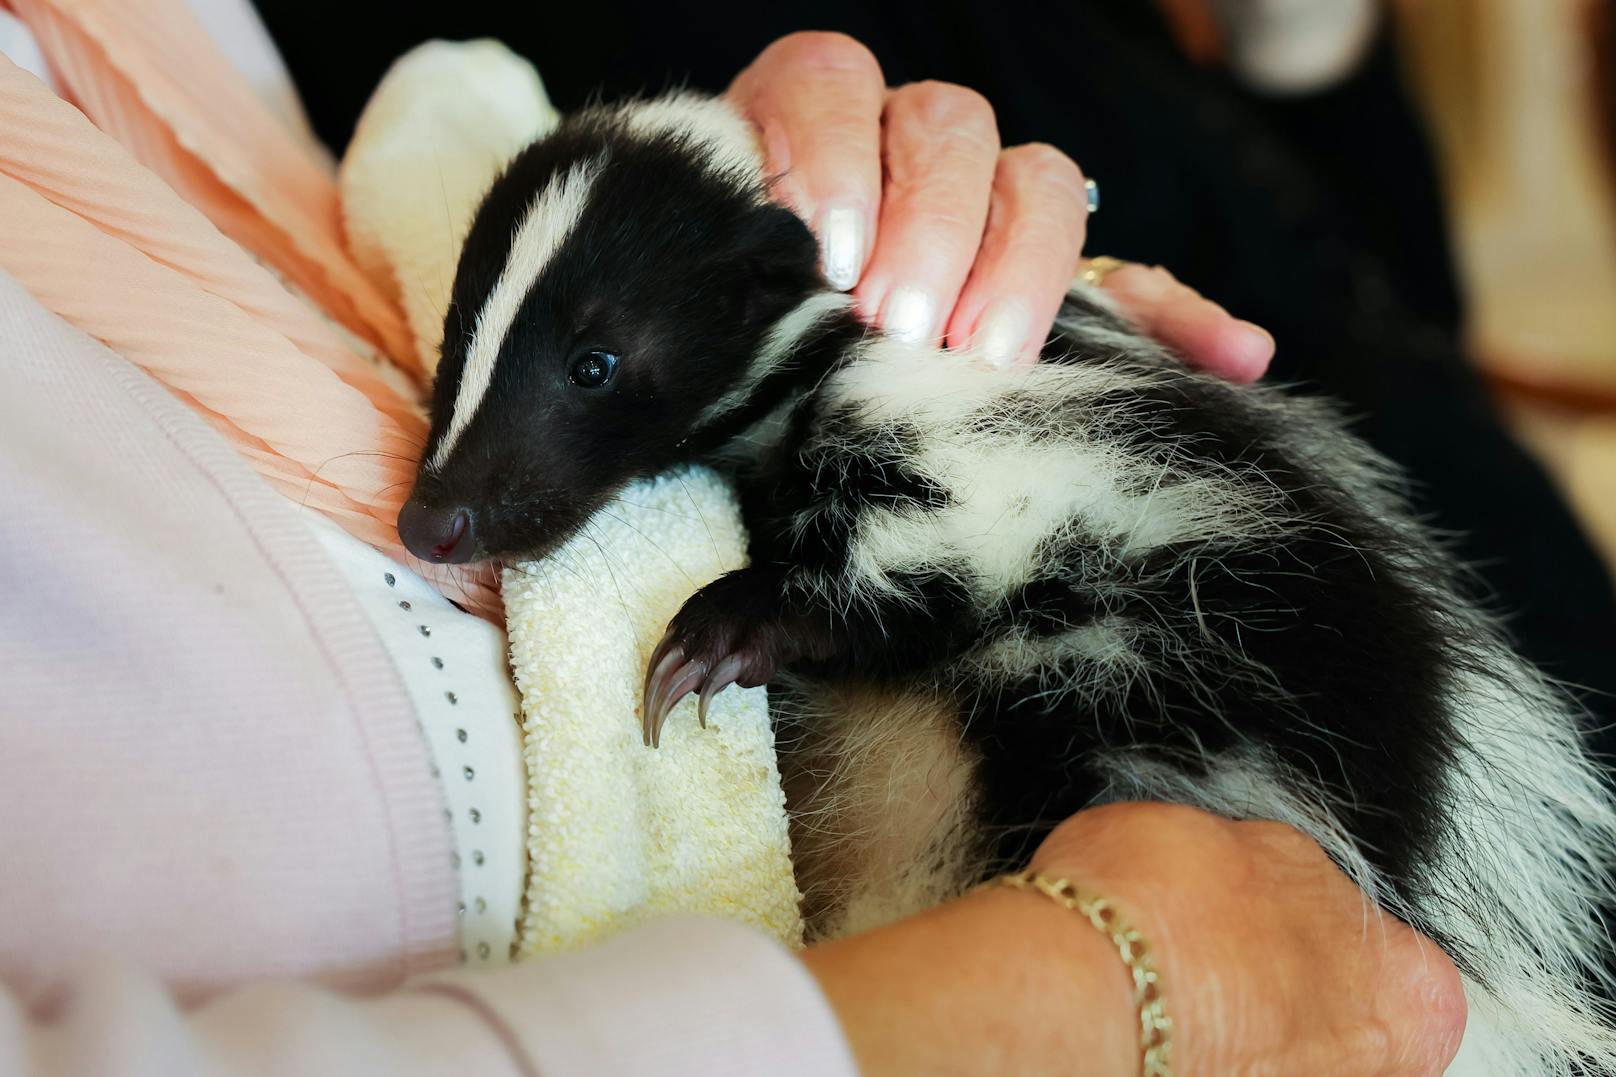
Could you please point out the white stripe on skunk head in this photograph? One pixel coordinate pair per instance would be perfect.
(624, 275)
(551, 219)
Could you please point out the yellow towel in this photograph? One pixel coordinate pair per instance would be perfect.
(617, 833)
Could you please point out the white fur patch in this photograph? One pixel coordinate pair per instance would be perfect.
(1015, 486)
(777, 349)
(710, 122)
(552, 217)
(1530, 846)
(1102, 655)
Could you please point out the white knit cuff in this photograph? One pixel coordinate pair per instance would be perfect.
(684, 996)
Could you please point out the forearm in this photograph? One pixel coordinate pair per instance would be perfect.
(115, 1020)
(688, 996)
(997, 982)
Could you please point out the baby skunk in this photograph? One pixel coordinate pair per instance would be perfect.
(985, 599)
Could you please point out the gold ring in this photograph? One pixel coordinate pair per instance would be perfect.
(1098, 269)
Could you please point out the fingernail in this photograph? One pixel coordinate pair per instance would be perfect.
(839, 232)
(1257, 329)
(909, 314)
(1256, 354)
(1002, 332)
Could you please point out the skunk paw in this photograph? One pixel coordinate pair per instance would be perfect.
(729, 632)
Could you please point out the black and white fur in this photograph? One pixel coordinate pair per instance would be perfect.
(985, 599)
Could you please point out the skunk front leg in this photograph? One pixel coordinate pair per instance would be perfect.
(748, 625)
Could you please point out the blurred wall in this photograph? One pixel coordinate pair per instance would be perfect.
(1514, 99)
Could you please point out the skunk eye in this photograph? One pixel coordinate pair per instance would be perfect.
(593, 369)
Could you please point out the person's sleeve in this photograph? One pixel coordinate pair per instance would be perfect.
(682, 997)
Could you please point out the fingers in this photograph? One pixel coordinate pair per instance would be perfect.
(1208, 336)
(940, 152)
(1034, 234)
(1426, 982)
(817, 100)
(965, 244)
(1397, 971)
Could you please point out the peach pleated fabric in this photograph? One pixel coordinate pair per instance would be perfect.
(162, 220)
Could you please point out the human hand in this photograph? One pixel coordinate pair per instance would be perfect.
(941, 233)
(1271, 960)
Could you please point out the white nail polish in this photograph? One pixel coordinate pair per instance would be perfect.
(1002, 332)
(840, 233)
(910, 315)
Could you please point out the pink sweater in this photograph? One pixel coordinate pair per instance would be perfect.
(222, 849)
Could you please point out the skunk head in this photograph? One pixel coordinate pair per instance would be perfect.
(618, 289)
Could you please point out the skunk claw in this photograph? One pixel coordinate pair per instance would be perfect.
(665, 689)
(722, 676)
(727, 633)
(664, 660)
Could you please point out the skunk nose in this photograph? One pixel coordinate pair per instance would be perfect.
(442, 535)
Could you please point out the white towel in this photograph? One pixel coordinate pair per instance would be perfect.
(620, 832)
(617, 833)
(445, 119)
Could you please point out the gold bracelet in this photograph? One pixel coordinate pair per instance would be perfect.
(1155, 1027)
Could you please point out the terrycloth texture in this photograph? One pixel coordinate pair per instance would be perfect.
(617, 833)
(122, 223)
(445, 119)
(620, 833)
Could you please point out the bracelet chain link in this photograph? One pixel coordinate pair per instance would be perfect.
(1155, 1027)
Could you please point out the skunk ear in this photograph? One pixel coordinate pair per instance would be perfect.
(781, 251)
(778, 265)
